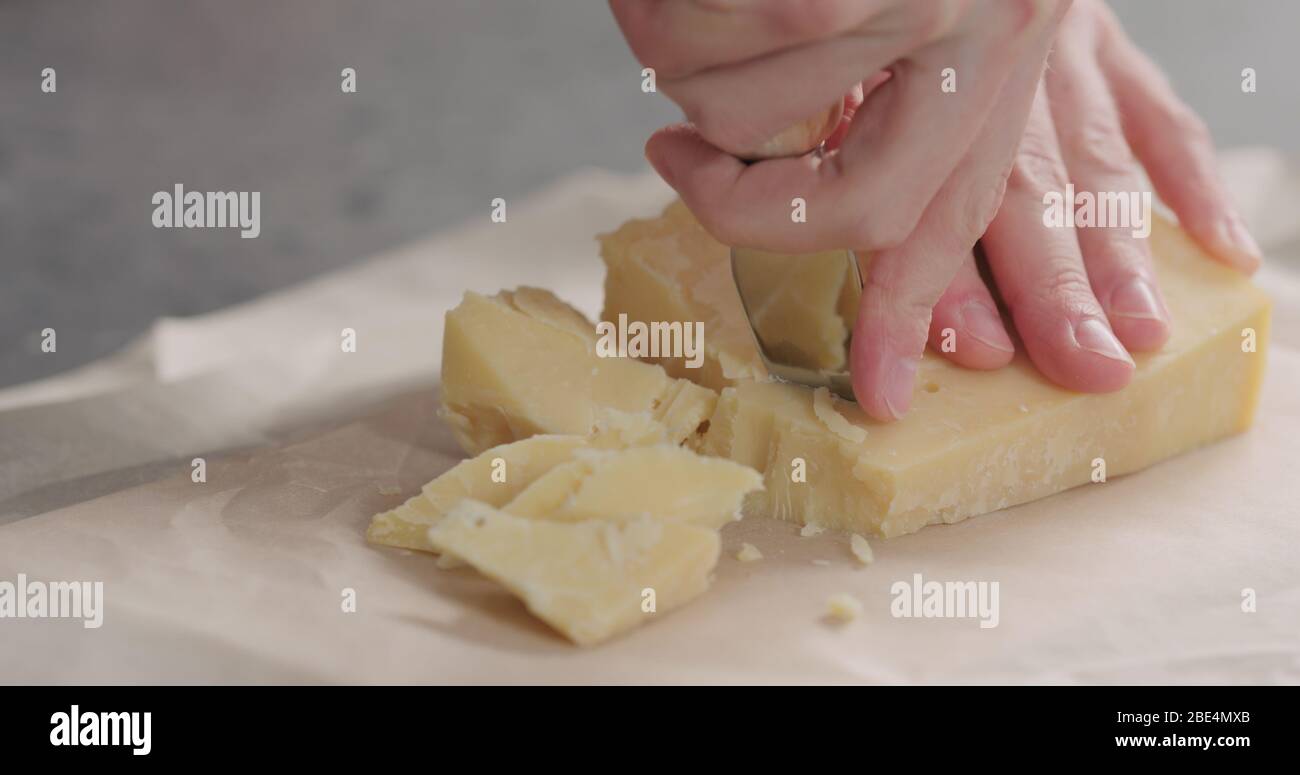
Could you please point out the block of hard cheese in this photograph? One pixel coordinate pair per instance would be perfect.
(589, 580)
(523, 362)
(669, 268)
(973, 441)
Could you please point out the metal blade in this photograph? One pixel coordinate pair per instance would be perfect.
(801, 310)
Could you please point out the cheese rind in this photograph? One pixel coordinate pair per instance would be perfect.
(523, 362)
(589, 580)
(973, 441)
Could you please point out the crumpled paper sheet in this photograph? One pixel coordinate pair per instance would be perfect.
(241, 579)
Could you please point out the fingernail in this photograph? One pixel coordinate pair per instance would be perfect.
(899, 382)
(985, 326)
(1234, 238)
(1096, 337)
(1136, 299)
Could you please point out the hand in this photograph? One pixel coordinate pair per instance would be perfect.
(722, 62)
(913, 171)
(1082, 299)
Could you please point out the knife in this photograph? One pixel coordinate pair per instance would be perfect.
(801, 307)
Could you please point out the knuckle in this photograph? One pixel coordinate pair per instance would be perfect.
(1066, 288)
(884, 228)
(981, 205)
(1189, 125)
(936, 18)
(1038, 167)
(719, 128)
(652, 53)
(1023, 16)
(718, 222)
(654, 43)
(1100, 145)
(903, 312)
(1104, 19)
(811, 19)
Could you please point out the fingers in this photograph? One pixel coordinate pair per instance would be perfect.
(1040, 273)
(740, 205)
(1176, 149)
(905, 283)
(739, 106)
(966, 327)
(680, 38)
(905, 130)
(893, 320)
(1100, 163)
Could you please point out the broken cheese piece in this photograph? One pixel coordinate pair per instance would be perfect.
(973, 441)
(665, 482)
(843, 607)
(588, 580)
(571, 479)
(494, 477)
(824, 408)
(523, 362)
(861, 549)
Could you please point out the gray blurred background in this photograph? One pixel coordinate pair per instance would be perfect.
(458, 101)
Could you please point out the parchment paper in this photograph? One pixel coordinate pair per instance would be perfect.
(241, 578)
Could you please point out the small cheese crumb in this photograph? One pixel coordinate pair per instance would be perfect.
(824, 408)
(809, 530)
(861, 549)
(450, 562)
(388, 489)
(748, 553)
(843, 607)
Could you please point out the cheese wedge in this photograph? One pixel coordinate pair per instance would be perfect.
(589, 580)
(664, 482)
(973, 441)
(523, 362)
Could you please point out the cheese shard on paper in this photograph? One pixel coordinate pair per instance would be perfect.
(664, 482)
(974, 441)
(494, 477)
(523, 362)
(571, 479)
(589, 580)
(843, 607)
